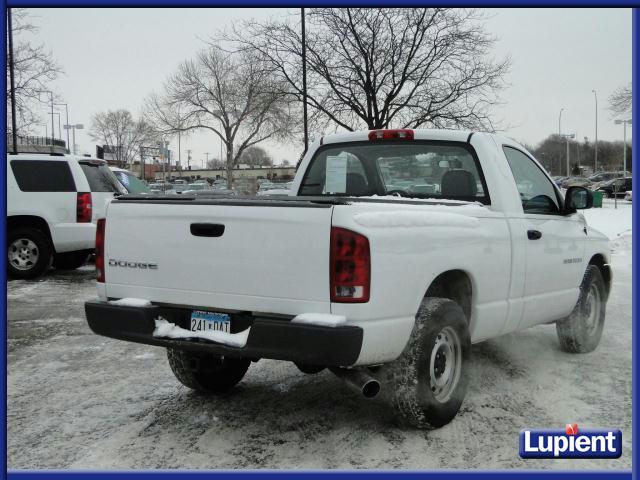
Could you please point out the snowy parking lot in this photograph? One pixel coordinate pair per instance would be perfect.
(80, 401)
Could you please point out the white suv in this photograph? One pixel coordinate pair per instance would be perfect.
(52, 204)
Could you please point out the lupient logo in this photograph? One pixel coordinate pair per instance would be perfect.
(570, 443)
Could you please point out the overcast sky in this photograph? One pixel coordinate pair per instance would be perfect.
(113, 58)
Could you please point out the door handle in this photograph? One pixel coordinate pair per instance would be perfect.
(534, 234)
(207, 229)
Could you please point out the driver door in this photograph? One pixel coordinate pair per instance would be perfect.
(552, 243)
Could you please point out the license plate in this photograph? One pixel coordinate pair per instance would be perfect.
(202, 321)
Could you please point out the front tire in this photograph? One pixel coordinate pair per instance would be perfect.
(428, 382)
(28, 253)
(206, 373)
(581, 331)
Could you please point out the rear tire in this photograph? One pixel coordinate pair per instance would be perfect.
(205, 372)
(70, 260)
(28, 253)
(581, 331)
(428, 382)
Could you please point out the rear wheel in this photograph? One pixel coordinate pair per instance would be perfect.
(205, 372)
(28, 253)
(70, 260)
(581, 331)
(428, 382)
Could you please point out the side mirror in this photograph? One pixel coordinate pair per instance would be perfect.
(577, 198)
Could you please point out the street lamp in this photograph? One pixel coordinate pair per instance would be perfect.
(53, 127)
(624, 154)
(567, 136)
(77, 126)
(560, 122)
(595, 161)
(66, 107)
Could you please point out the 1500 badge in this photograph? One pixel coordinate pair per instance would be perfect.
(128, 264)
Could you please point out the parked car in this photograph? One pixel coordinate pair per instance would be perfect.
(53, 202)
(130, 182)
(381, 285)
(180, 185)
(576, 182)
(196, 187)
(274, 189)
(558, 180)
(617, 187)
(162, 188)
(627, 196)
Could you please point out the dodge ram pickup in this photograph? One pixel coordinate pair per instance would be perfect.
(394, 252)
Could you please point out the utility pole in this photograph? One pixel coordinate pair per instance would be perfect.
(188, 159)
(304, 81)
(595, 161)
(207, 164)
(14, 133)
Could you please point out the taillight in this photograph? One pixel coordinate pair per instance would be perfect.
(100, 249)
(350, 261)
(401, 134)
(83, 208)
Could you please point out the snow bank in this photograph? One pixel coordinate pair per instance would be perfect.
(171, 330)
(414, 219)
(322, 319)
(131, 302)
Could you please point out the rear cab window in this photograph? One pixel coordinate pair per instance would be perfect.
(43, 176)
(100, 178)
(415, 169)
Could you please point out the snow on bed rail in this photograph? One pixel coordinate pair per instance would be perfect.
(131, 302)
(322, 319)
(167, 329)
(414, 219)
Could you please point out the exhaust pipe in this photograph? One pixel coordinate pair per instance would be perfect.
(359, 380)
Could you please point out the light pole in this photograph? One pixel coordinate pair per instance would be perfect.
(66, 107)
(560, 122)
(78, 126)
(624, 150)
(595, 161)
(53, 127)
(567, 136)
(304, 80)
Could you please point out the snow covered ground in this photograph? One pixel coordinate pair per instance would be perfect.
(76, 400)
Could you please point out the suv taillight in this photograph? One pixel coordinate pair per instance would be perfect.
(100, 249)
(83, 208)
(350, 265)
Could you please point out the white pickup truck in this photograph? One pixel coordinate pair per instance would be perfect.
(396, 250)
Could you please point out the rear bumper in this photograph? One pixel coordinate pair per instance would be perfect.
(277, 339)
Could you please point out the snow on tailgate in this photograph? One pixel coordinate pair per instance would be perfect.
(414, 219)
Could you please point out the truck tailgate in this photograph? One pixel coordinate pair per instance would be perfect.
(270, 257)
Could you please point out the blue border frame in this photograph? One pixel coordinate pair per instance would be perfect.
(340, 475)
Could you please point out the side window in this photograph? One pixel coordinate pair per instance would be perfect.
(43, 176)
(536, 190)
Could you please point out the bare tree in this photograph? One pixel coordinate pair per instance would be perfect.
(121, 133)
(620, 101)
(256, 156)
(233, 95)
(391, 67)
(34, 69)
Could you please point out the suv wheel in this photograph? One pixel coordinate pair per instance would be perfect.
(28, 253)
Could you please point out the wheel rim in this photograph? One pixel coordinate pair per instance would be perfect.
(592, 306)
(23, 254)
(445, 364)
